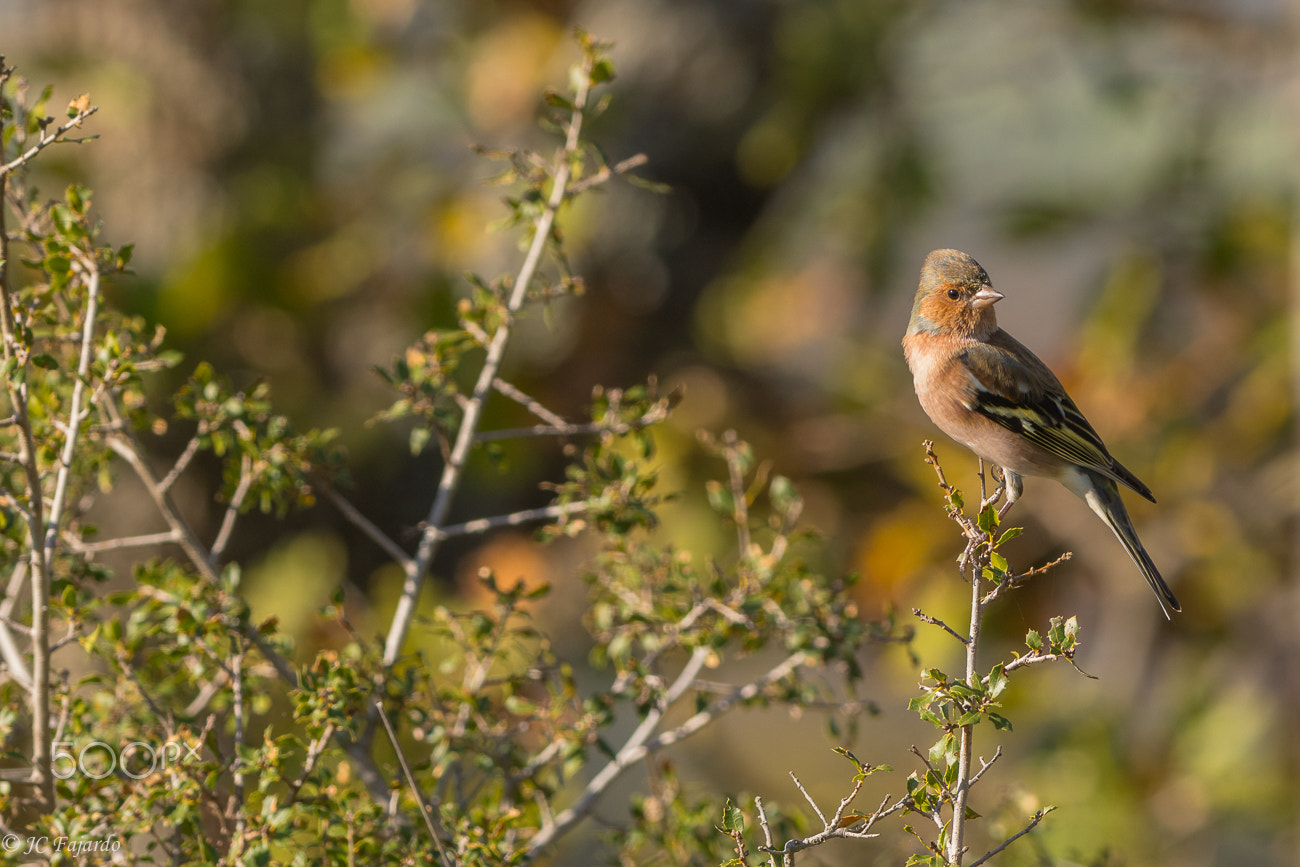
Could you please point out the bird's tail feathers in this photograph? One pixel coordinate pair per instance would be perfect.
(1106, 502)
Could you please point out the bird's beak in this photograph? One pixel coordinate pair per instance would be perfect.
(986, 297)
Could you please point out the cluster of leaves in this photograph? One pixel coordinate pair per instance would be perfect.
(265, 461)
(425, 377)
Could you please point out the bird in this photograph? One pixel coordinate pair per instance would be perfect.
(989, 392)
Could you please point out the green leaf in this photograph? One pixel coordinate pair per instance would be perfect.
(1000, 722)
(733, 821)
(720, 498)
(602, 71)
(45, 362)
(782, 493)
(997, 680)
(1034, 641)
(988, 519)
(1011, 533)
(419, 439)
(944, 746)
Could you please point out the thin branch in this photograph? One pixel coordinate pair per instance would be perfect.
(191, 449)
(845, 802)
(48, 138)
(145, 540)
(125, 447)
(606, 173)
(950, 492)
(362, 523)
(1033, 823)
(210, 689)
(722, 705)
(529, 403)
(1015, 581)
(232, 510)
(724, 611)
(453, 470)
(809, 798)
(76, 412)
(514, 519)
(314, 752)
(935, 621)
(632, 751)
(237, 698)
(984, 766)
(832, 831)
(1030, 659)
(938, 776)
(767, 831)
(425, 811)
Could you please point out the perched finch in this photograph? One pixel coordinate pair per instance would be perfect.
(988, 392)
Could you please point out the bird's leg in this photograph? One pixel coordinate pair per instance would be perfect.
(1014, 485)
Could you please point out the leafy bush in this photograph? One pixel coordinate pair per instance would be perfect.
(191, 736)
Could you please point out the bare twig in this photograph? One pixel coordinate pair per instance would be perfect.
(232, 510)
(191, 449)
(809, 798)
(210, 689)
(48, 138)
(145, 540)
(834, 829)
(633, 749)
(938, 820)
(1014, 581)
(1033, 823)
(968, 526)
(514, 519)
(606, 172)
(453, 470)
(362, 523)
(639, 744)
(425, 811)
(767, 832)
(126, 448)
(529, 403)
(984, 766)
(236, 669)
(314, 751)
(76, 412)
(935, 621)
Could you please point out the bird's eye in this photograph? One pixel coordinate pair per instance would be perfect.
(954, 294)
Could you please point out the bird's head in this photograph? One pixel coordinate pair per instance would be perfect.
(954, 297)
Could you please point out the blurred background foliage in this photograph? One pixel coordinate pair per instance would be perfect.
(298, 180)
